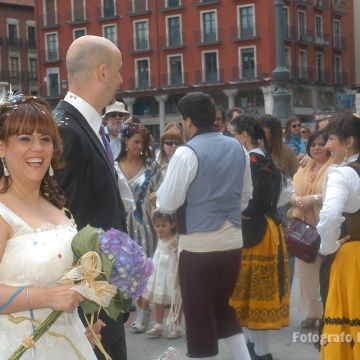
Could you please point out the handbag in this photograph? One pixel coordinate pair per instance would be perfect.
(302, 240)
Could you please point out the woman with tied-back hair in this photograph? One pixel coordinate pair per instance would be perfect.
(339, 229)
(35, 236)
(284, 158)
(144, 178)
(261, 296)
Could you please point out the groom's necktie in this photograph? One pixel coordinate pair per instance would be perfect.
(106, 143)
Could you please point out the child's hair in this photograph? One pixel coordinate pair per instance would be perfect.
(167, 217)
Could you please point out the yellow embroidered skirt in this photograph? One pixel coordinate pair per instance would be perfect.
(341, 333)
(263, 276)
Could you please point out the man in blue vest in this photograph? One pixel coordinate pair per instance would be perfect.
(207, 183)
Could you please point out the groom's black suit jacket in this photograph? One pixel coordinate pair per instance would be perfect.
(92, 194)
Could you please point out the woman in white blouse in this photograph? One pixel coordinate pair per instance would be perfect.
(339, 228)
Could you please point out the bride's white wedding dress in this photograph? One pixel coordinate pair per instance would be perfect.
(39, 258)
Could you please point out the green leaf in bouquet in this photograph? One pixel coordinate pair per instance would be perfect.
(118, 305)
(89, 307)
(87, 239)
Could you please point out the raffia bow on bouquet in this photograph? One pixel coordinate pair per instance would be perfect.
(110, 271)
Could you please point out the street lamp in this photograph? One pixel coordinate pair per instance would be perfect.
(281, 75)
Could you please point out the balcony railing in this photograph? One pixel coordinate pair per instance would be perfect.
(106, 12)
(50, 20)
(31, 43)
(205, 2)
(15, 76)
(322, 40)
(14, 42)
(305, 36)
(211, 77)
(172, 42)
(322, 76)
(208, 37)
(302, 2)
(339, 7)
(302, 73)
(340, 78)
(32, 78)
(340, 43)
(50, 56)
(145, 83)
(320, 4)
(173, 80)
(77, 17)
(140, 45)
(242, 73)
(137, 7)
(239, 33)
(166, 5)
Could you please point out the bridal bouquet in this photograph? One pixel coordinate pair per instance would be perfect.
(110, 271)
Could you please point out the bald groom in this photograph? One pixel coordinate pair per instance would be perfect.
(88, 179)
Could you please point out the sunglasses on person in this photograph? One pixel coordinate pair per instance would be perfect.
(293, 126)
(173, 142)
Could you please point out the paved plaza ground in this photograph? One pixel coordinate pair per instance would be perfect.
(141, 347)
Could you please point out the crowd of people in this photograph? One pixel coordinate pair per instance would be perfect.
(214, 225)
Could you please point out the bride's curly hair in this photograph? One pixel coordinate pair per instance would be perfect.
(26, 115)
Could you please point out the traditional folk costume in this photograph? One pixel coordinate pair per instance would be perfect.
(208, 190)
(340, 216)
(261, 295)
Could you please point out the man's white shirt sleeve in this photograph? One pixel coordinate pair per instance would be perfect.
(180, 174)
(247, 189)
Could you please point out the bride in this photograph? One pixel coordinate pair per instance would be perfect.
(35, 236)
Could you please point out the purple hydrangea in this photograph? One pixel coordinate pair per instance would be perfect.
(132, 269)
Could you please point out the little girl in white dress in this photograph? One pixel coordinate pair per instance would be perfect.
(161, 283)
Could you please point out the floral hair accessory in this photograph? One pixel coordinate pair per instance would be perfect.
(11, 101)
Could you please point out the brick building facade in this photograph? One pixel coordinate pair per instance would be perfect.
(223, 47)
(18, 56)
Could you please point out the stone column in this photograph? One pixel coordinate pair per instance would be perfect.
(161, 99)
(231, 93)
(281, 74)
(268, 99)
(129, 101)
(357, 100)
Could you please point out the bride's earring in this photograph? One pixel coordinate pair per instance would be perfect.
(51, 171)
(5, 169)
